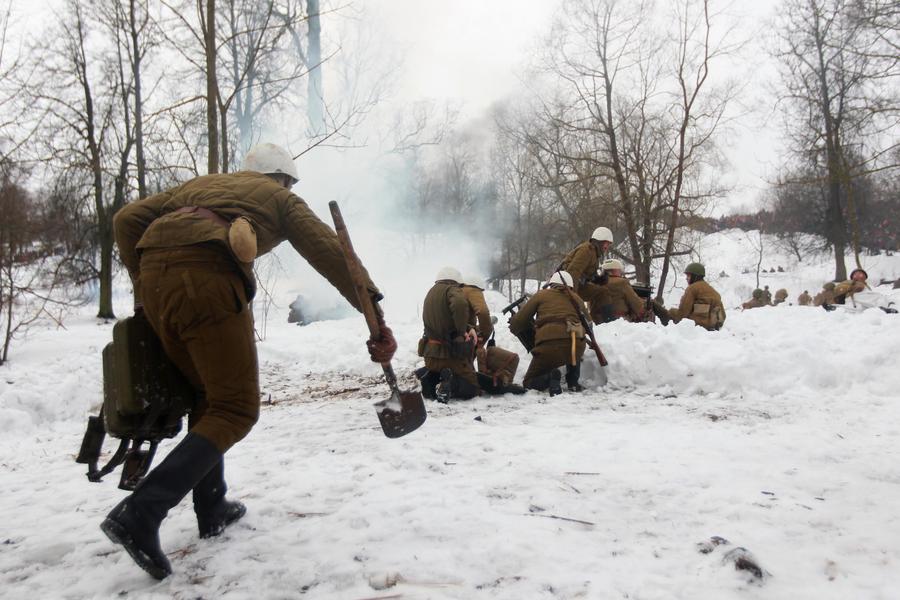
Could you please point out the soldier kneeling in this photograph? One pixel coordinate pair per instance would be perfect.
(559, 335)
(448, 343)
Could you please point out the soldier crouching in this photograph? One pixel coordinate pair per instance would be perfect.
(559, 335)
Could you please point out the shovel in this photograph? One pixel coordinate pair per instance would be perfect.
(404, 411)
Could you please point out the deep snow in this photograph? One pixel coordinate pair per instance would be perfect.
(779, 433)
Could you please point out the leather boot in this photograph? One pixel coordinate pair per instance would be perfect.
(539, 383)
(214, 512)
(573, 373)
(429, 381)
(464, 390)
(134, 522)
(445, 388)
(555, 388)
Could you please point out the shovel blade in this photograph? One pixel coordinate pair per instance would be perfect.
(400, 414)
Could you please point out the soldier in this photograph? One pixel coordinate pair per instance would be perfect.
(856, 283)
(757, 301)
(623, 300)
(700, 302)
(496, 366)
(826, 296)
(780, 296)
(804, 299)
(767, 295)
(189, 251)
(583, 262)
(448, 343)
(559, 335)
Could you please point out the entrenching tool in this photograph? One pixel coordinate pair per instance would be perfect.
(404, 411)
(588, 330)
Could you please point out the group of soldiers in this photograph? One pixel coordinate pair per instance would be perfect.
(462, 361)
(832, 293)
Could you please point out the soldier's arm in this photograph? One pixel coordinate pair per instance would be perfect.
(684, 307)
(521, 321)
(129, 225)
(483, 313)
(319, 245)
(580, 263)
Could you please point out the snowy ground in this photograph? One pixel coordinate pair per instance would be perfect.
(780, 433)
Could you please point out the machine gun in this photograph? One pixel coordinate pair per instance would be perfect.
(645, 293)
(527, 336)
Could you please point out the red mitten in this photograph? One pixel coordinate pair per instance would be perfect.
(382, 349)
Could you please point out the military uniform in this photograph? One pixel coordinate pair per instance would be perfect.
(623, 302)
(753, 303)
(559, 335)
(194, 291)
(804, 299)
(497, 366)
(702, 305)
(445, 315)
(582, 263)
(780, 296)
(826, 296)
(767, 296)
(846, 289)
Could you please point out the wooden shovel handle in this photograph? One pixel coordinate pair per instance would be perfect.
(356, 274)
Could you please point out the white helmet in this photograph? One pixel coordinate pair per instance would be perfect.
(561, 278)
(602, 234)
(270, 159)
(448, 273)
(473, 280)
(612, 263)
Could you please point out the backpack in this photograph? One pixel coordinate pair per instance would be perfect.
(145, 397)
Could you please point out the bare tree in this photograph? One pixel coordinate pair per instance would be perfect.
(631, 119)
(837, 60)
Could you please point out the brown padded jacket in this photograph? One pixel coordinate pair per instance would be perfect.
(556, 316)
(275, 213)
(582, 263)
(624, 300)
(478, 311)
(698, 293)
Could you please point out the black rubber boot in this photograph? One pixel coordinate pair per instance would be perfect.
(134, 522)
(573, 373)
(214, 512)
(554, 387)
(429, 381)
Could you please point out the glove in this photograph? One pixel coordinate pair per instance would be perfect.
(382, 350)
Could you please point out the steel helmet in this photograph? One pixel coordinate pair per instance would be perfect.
(828, 285)
(612, 263)
(858, 270)
(602, 234)
(561, 278)
(473, 280)
(757, 293)
(270, 159)
(448, 274)
(696, 269)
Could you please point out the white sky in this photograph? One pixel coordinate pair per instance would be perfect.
(474, 51)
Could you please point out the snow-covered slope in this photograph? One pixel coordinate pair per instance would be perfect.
(778, 433)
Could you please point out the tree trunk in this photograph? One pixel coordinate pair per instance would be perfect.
(138, 104)
(316, 95)
(212, 87)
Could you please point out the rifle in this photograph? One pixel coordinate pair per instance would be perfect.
(588, 327)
